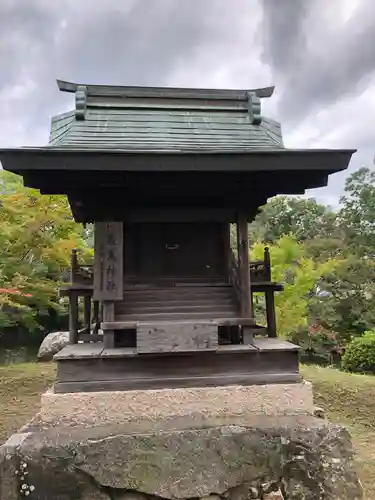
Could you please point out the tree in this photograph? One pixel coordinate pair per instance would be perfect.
(37, 236)
(346, 303)
(299, 274)
(302, 218)
(358, 211)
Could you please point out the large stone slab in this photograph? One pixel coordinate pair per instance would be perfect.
(116, 407)
(261, 457)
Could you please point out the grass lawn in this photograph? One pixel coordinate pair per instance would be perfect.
(350, 400)
(20, 389)
(347, 399)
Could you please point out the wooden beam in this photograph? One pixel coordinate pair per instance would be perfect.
(243, 265)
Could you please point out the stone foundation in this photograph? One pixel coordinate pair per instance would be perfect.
(259, 457)
(107, 408)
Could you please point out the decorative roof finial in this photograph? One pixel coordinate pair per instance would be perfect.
(254, 108)
(81, 98)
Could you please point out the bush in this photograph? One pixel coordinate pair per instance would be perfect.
(359, 354)
(318, 345)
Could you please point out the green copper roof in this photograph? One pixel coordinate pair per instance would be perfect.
(165, 119)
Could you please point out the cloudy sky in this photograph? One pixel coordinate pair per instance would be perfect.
(320, 55)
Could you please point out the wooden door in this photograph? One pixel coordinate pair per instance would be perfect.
(179, 250)
(193, 250)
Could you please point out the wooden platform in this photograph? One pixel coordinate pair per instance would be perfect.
(90, 367)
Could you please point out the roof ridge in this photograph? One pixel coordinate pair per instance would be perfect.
(164, 92)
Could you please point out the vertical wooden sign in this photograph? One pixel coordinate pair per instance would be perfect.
(108, 261)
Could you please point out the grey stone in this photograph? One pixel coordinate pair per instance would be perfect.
(130, 495)
(320, 465)
(94, 494)
(312, 459)
(269, 486)
(274, 495)
(244, 491)
(10, 477)
(319, 412)
(52, 344)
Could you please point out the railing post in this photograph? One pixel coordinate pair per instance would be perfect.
(87, 312)
(243, 265)
(73, 317)
(270, 313)
(73, 266)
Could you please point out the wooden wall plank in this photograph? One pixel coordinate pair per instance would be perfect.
(108, 261)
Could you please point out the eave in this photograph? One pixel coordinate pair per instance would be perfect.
(85, 159)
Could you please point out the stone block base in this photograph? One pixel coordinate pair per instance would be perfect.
(285, 458)
(106, 408)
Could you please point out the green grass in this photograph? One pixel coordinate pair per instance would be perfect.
(20, 389)
(348, 399)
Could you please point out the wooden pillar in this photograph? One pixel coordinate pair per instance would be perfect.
(109, 316)
(270, 297)
(73, 317)
(96, 316)
(271, 314)
(243, 265)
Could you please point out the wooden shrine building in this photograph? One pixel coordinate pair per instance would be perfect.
(163, 174)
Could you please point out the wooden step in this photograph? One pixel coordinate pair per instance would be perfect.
(171, 308)
(170, 316)
(192, 291)
(161, 302)
(172, 283)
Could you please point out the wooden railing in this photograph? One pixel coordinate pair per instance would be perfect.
(260, 270)
(260, 281)
(81, 290)
(80, 273)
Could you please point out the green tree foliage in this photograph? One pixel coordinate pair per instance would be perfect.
(299, 274)
(335, 251)
(347, 301)
(358, 212)
(303, 218)
(36, 238)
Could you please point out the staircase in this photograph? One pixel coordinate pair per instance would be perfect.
(177, 303)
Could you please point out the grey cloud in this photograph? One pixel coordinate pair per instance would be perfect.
(134, 42)
(284, 38)
(333, 65)
(313, 60)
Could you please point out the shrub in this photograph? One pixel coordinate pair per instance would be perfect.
(359, 354)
